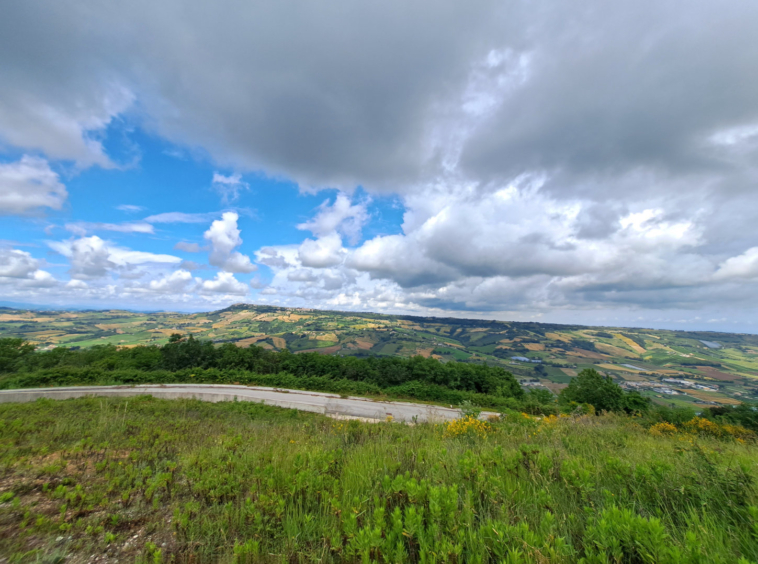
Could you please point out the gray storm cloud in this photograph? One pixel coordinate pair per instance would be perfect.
(625, 135)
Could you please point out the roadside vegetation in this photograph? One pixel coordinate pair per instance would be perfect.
(189, 360)
(156, 481)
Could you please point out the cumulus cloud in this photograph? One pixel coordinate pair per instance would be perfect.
(93, 257)
(224, 283)
(177, 282)
(224, 237)
(16, 264)
(20, 269)
(28, 185)
(341, 216)
(744, 266)
(270, 256)
(323, 252)
(59, 110)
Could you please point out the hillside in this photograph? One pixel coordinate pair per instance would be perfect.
(160, 481)
(682, 368)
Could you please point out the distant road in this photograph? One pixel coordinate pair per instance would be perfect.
(327, 404)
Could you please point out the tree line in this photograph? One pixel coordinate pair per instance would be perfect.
(185, 353)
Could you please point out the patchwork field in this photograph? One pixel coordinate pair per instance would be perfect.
(540, 354)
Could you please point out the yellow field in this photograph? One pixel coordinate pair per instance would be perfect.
(615, 351)
(634, 346)
(558, 337)
(711, 396)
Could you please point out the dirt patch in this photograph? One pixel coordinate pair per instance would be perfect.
(250, 341)
(426, 353)
(553, 387)
(711, 372)
(535, 346)
(587, 354)
(279, 343)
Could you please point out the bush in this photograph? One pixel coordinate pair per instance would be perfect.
(595, 389)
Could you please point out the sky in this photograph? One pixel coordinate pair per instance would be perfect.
(584, 162)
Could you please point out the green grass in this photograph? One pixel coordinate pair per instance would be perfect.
(185, 481)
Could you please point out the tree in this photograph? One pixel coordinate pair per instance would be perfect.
(12, 351)
(634, 402)
(593, 388)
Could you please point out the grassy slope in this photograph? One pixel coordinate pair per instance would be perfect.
(126, 479)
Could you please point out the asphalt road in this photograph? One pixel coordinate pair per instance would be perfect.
(327, 404)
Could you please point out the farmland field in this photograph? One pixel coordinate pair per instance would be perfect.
(548, 354)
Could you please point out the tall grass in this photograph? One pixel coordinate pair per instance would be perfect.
(185, 481)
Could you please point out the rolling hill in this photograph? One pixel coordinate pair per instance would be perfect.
(673, 367)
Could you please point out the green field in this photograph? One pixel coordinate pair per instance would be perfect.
(183, 481)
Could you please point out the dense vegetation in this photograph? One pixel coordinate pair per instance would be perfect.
(184, 481)
(192, 360)
(189, 360)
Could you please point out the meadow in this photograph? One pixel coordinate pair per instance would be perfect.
(157, 481)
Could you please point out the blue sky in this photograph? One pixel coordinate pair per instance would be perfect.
(573, 162)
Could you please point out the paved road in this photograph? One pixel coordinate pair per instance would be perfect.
(328, 404)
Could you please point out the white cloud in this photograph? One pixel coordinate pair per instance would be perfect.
(19, 268)
(323, 252)
(189, 247)
(129, 208)
(270, 256)
(229, 187)
(224, 283)
(76, 284)
(224, 237)
(744, 266)
(17, 264)
(341, 216)
(28, 185)
(92, 257)
(177, 282)
(83, 227)
(181, 217)
(40, 279)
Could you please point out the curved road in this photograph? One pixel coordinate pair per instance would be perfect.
(327, 404)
